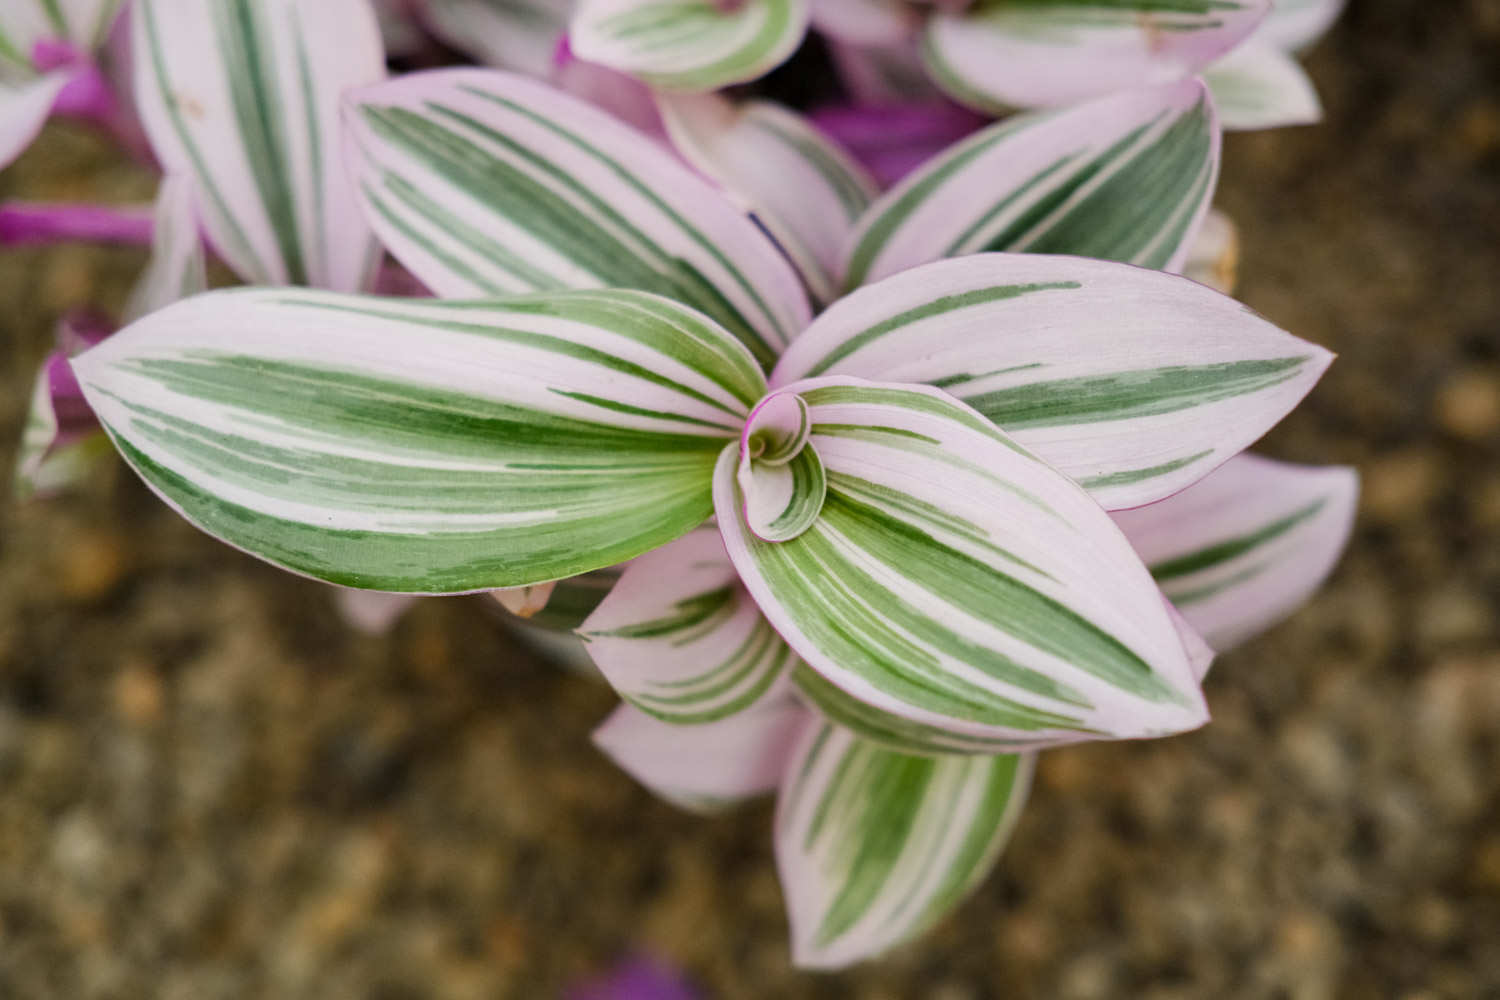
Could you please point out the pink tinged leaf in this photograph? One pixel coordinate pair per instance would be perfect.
(680, 639)
(24, 107)
(524, 602)
(1124, 178)
(1132, 382)
(952, 581)
(1294, 25)
(1199, 654)
(176, 269)
(874, 846)
(35, 223)
(249, 108)
(371, 611)
(782, 480)
(621, 95)
(1243, 548)
(1214, 255)
(61, 439)
(805, 190)
(518, 36)
(892, 140)
(1259, 86)
(1040, 53)
(705, 768)
(867, 22)
(485, 183)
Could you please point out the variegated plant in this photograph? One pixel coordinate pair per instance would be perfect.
(870, 556)
(993, 55)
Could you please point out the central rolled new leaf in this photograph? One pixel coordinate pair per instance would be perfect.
(952, 580)
(427, 446)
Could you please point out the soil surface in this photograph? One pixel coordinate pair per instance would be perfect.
(210, 787)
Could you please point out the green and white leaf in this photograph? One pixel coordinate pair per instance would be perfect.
(1124, 178)
(1260, 86)
(520, 35)
(688, 45)
(484, 183)
(427, 446)
(874, 846)
(681, 639)
(1243, 548)
(243, 95)
(805, 189)
(176, 269)
(1001, 54)
(1132, 382)
(955, 581)
(710, 767)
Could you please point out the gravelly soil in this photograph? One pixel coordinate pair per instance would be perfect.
(211, 788)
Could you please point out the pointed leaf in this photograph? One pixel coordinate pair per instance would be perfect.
(24, 107)
(874, 847)
(956, 581)
(423, 446)
(1040, 53)
(519, 35)
(61, 439)
(807, 191)
(482, 182)
(708, 767)
(688, 45)
(1124, 178)
(1259, 86)
(1132, 382)
(176, 269)
(243, 95)
(680, 638)
(1245, 547)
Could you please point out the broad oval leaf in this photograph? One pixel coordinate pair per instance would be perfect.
(1259, 86)
(483, 183)
(243, 95)
(688, 45)
(805, 190)
(680, 639)
(1132, 382)
(427, 446)
(520, 35)
(874, 846)
(1243, 548)
(708, 767)
(954, 580)
(1041, 53)
(1124, 178)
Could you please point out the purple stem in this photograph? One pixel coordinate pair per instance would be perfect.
(32, 224)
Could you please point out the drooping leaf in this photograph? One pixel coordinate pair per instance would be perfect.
(805, 190)
(1123, 178)
(1243, 548)
(176, 268)
(706, 768)
(519, 35)
(1042, 53)
(875, 846)
(243, 95)
(688, 45)
(427, 446)
(953, 580)
(483, 183)
(1133, 382)
(1259, 86)
(680, 639)
(1294, 25)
